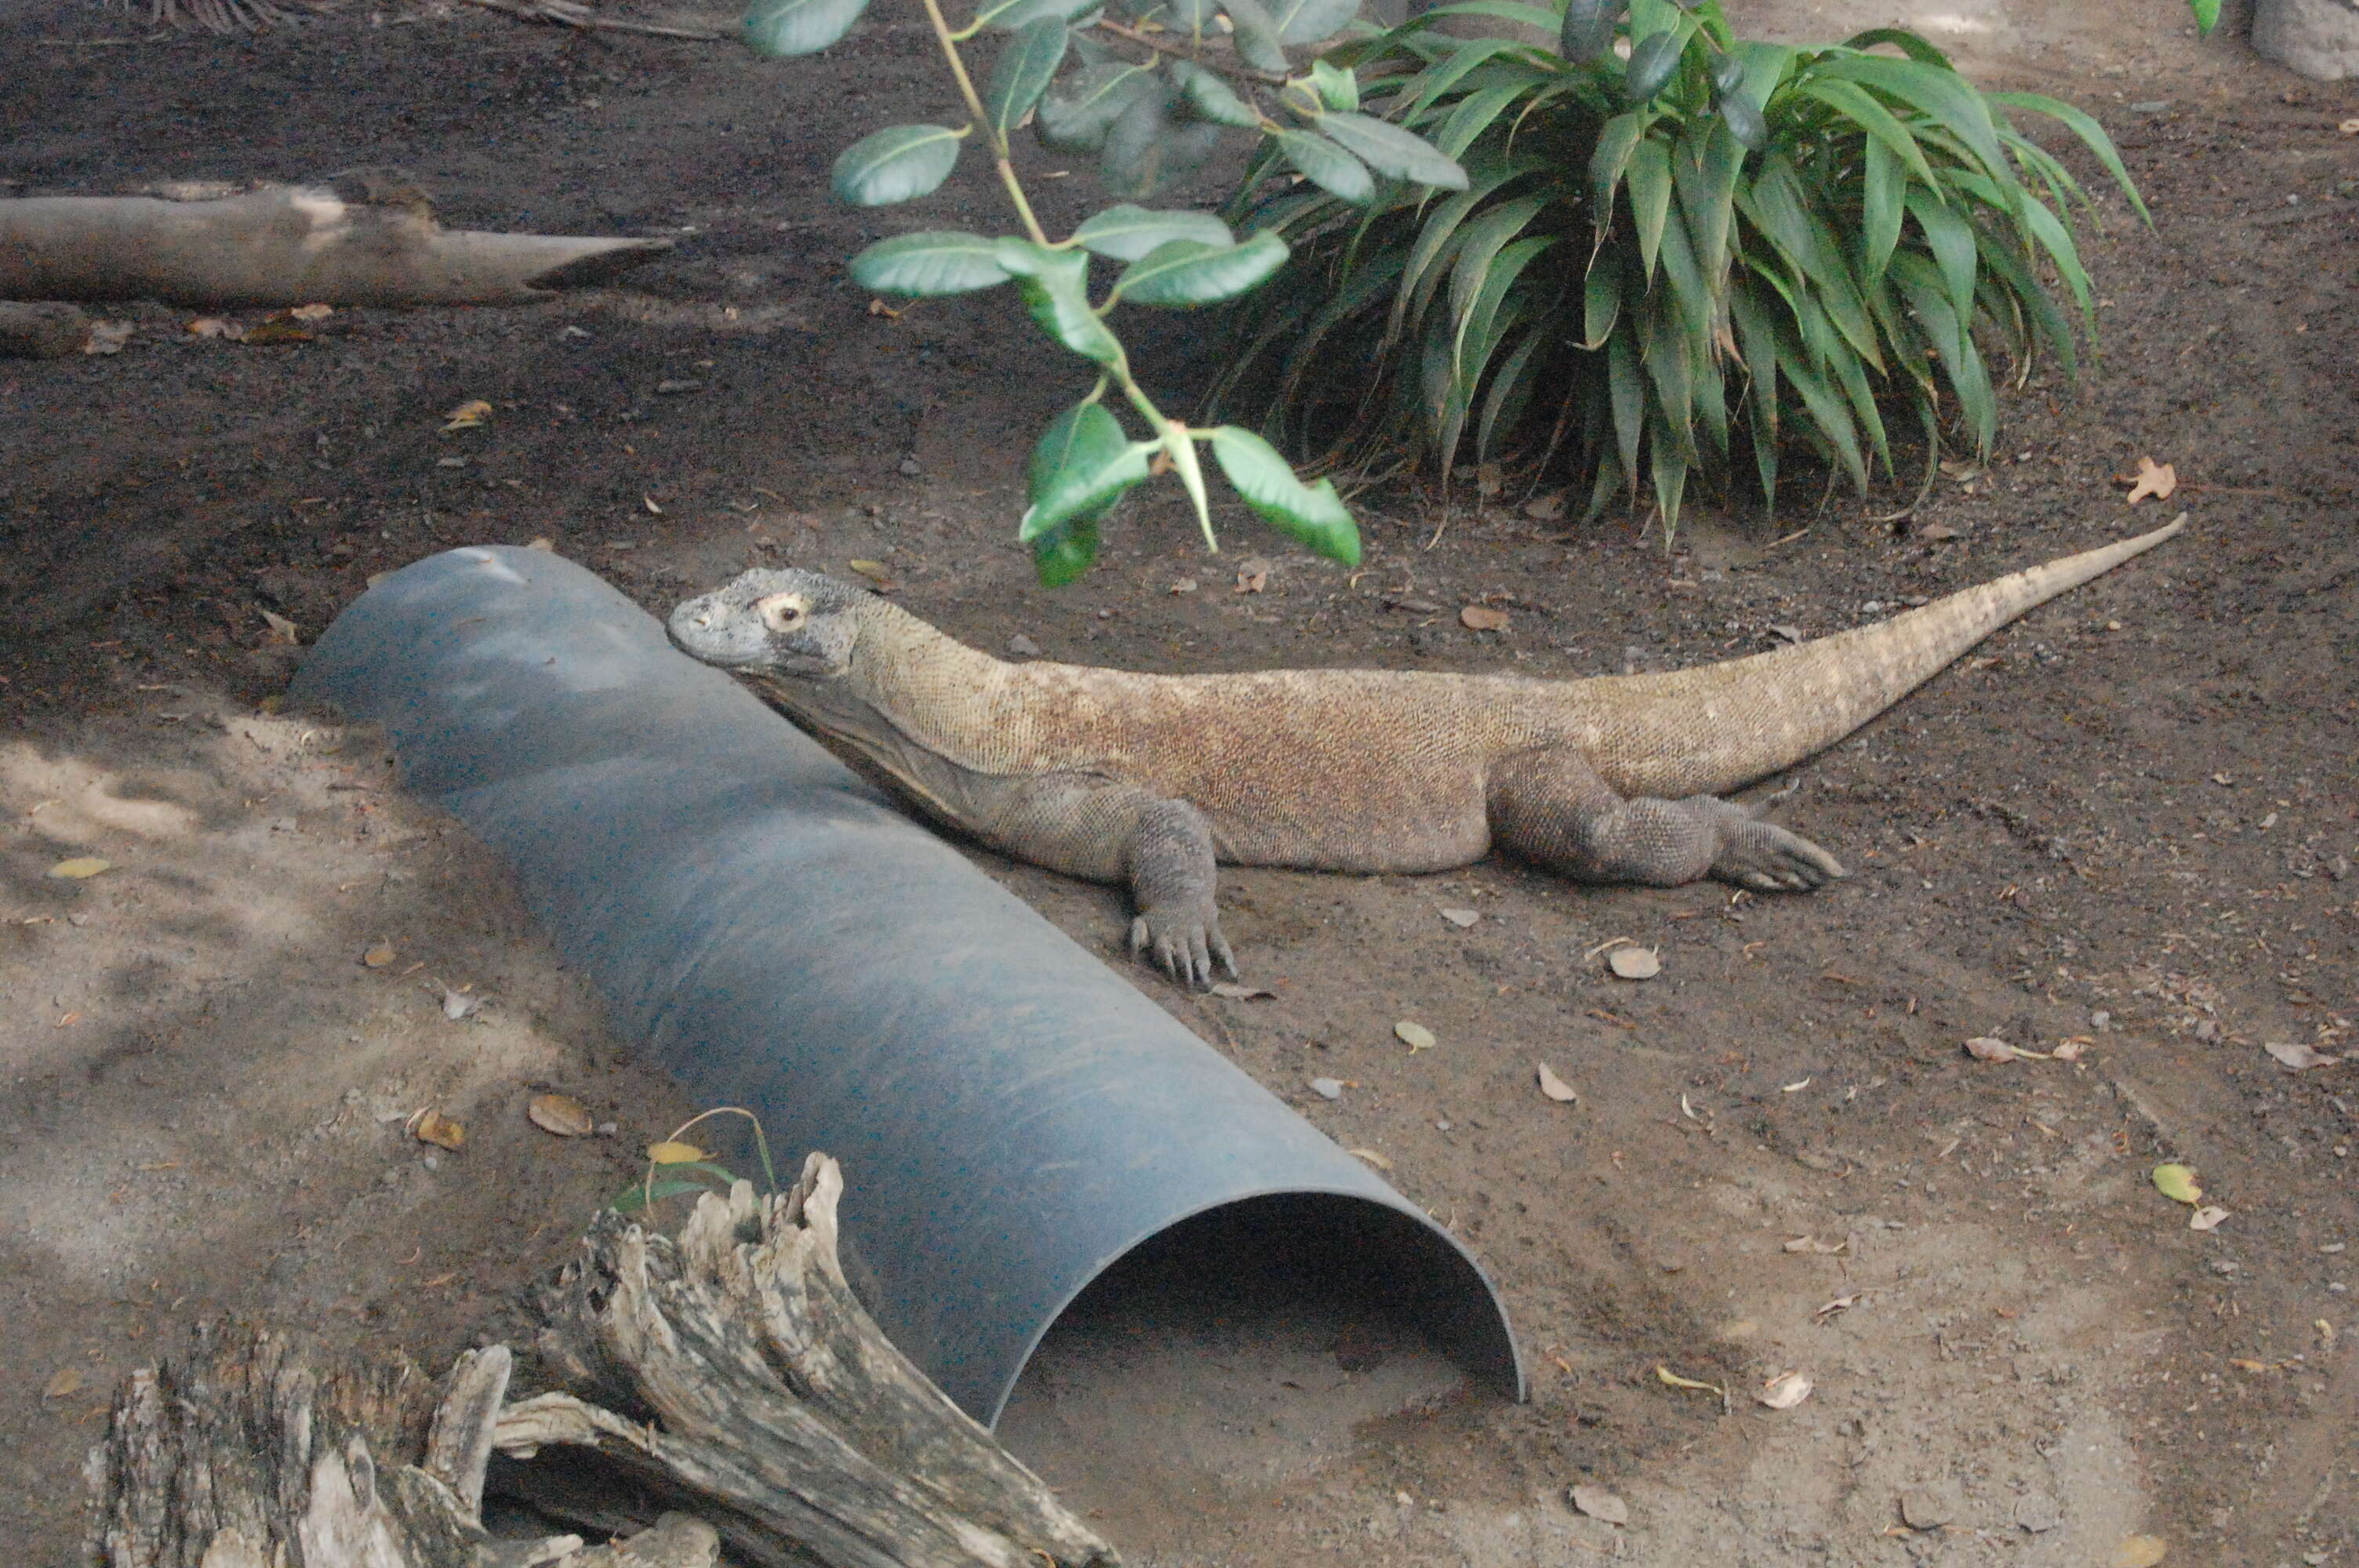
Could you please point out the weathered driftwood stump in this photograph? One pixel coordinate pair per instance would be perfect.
(725, 1389)
(366, 238)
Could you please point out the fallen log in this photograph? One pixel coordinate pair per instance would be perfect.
(368, 238)
(723, 1390)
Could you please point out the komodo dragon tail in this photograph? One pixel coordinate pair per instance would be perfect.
(1715, 728)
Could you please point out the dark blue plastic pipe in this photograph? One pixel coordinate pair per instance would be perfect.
(1012, 1116)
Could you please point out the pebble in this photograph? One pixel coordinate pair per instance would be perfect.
(1023, 647)
(1327, 1088)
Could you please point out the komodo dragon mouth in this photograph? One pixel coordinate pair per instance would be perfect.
(1151, 780)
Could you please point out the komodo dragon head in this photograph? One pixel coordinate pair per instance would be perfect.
(793, 623)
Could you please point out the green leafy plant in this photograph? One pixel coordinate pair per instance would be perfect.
(1151, 90)
(676, 1169)
(1711, 245)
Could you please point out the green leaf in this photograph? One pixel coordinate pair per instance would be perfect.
(1865, 110)
(1438, 79)
(638, 1195)
(1146, 150)
(2092, 133)
(1882, 183)
(896, 165)
(1479, 329)
(1061, 554)
(1951, 240)
(1213, 99)
(1126, 234)
(1628, 384)
(1948, 97)
(2207, 14)
(1910, 44)
(1007, 16)
(1511, 392)
(1600, 304)
(1026, 64)
(1651, 64)
(1704, 167)
(1183, 273)
(1308, 21)
(1392, 152)
(1327, 165)
(1055, 287)
(1587, 32)
(789, 27)
(1616, 143)
(1336, 88)
(1743, 121)
(928, 266)
(1260, 42)
(1650, 198)
(1312, 515)
(1079, 468)
(1075, 116)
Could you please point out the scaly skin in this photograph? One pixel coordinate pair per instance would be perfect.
(1150, 780)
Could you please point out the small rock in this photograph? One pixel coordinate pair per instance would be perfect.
(2101, 1019)
(2223, 1265)
(1929, 1506)
(1327, 1088)
(908, 467)
(1023, 647)
(2038, 1513)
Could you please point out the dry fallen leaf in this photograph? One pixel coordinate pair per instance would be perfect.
(561, 1114)
(215, 326)
(1935, 533)
(457, 1005)
(1482, 617)
(1415, 1036)
(1635, 963)
(1797, 1087)
(649, 502)
(2157, 479)
(283, 631)
(310, 312)
(1461, 918)
(2069, 1049)
(543, 543)
(878, 307)
(2349, 127)
(1983, 1048)
(2139, 1551)
(1600, 1503)
(1813, 1244)
(1236, 992)
(64, 1381)
(1546, 508)
(467, 416)
(1666, 1375)
(2207, 1217)
(2244, 1364)
(1372, 1157)
(107, 337)
(1184, 585)
(2177, 1183)
(431, 1126)
(1784, 1390)
(281, 327)
(1556, 1089)
(1253, 576)
(79, 868)
(1841, 1303)
(670, 1152)
(2295, 1056)
(378, 957)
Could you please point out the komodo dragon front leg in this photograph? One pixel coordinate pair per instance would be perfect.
(1551, 806)
(1109, 832)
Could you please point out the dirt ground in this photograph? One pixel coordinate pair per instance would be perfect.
(2129, 822)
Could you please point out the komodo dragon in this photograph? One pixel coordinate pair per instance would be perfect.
(1149, 779)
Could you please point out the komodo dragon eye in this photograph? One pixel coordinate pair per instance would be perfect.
(780, 612)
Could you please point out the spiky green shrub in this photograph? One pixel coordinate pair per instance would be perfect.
(1659, 263)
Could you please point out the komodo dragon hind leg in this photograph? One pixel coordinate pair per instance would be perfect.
(1549, 805)
(1116, 832)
